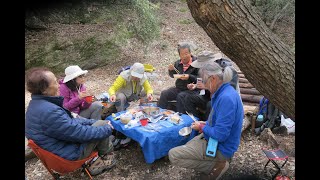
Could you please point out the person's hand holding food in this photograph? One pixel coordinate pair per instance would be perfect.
(184, 77)
(83, 94)
(171, 67)
(113, 98)
(150, 97)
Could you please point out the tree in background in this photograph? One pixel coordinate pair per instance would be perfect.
(239, 32)
(279, 16)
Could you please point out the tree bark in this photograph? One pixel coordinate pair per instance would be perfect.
(249, 91)
(238, 31)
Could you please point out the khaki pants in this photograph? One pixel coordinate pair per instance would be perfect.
(103, 146)
(193, 155)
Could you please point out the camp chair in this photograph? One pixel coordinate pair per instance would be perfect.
(275, 155)
(55, 163)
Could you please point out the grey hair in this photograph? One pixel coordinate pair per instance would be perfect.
(183, 46)
(227, 74)
(214, 68)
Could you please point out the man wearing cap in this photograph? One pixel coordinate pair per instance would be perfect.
(73, 90)
(188, 75)
(188, 100)
(129, 86)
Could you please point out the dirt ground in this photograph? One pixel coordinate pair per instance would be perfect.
(248, 160)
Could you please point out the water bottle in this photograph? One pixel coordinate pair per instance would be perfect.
(259, 120)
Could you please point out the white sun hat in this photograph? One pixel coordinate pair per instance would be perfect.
(137, 70)
(73, 72)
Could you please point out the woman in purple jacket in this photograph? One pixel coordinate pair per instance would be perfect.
(74, 92)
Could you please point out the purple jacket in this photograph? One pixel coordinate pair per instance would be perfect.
(71, 100)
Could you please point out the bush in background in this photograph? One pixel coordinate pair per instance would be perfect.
(279, 16)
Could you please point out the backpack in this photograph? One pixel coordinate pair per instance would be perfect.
(271, 114)
(123, 69)
(263, 106)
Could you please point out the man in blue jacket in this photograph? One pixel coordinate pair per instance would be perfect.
(54, 129)
(224, 125)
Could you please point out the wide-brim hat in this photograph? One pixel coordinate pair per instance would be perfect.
(205, 57)
(137, 70)
(73, 72)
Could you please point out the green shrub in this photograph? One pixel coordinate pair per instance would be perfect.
(268, 9)
(125, 19)
(279, 16)
(146, 25)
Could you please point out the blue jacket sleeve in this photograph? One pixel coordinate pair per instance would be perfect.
(60, 126)
(225, 117)
(85, 121)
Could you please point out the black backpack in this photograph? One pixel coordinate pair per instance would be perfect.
(271, 116)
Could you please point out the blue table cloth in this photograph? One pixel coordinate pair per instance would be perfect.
(155, 139)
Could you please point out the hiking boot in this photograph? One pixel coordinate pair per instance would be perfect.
(219, 169)
(102, 164)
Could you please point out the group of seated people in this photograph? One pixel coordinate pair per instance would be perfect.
(61, 121)
(187, 91)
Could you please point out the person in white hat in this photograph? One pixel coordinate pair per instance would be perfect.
(129, 86)
(73, 90)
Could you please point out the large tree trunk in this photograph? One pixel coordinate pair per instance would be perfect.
(239, 33)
